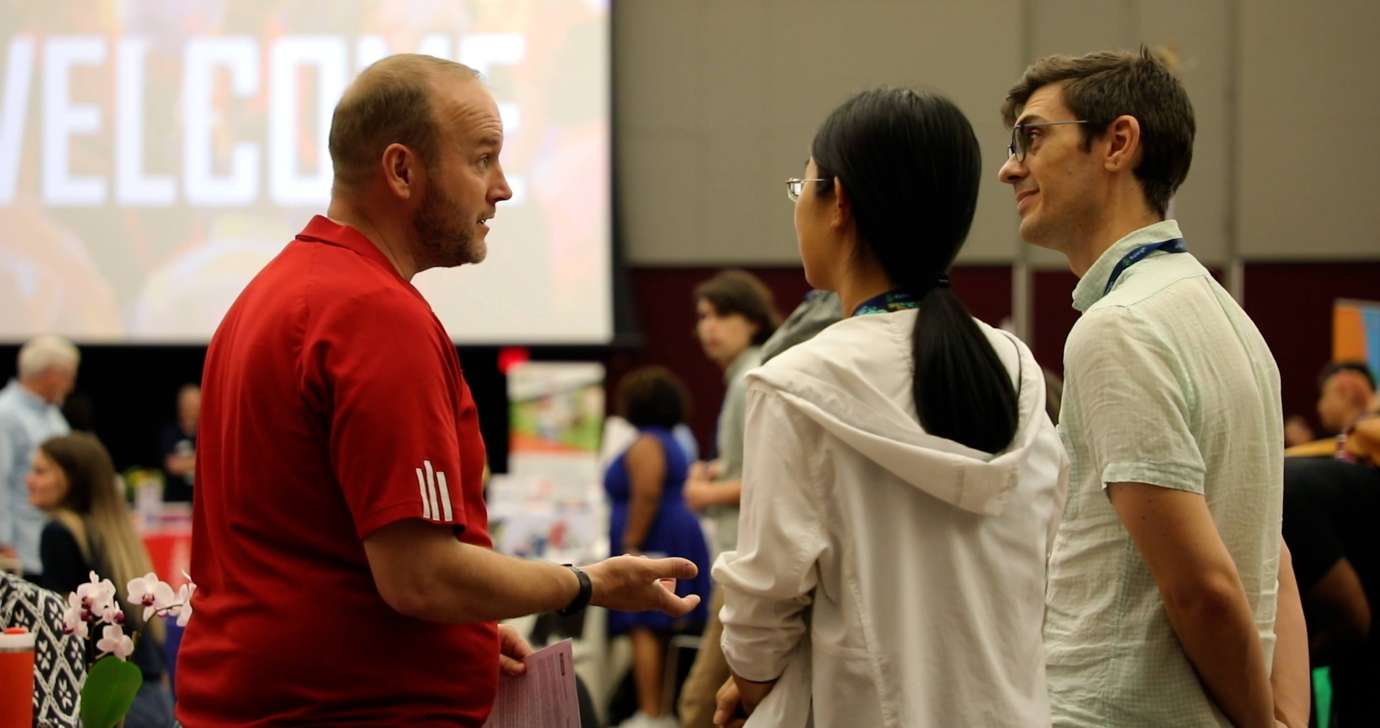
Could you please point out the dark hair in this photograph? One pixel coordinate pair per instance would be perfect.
(1101, 86)
(653, 397)
(1359, 367)
(738, 291)
(390, 102)
(910, 164)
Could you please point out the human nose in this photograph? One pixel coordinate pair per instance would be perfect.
(1012, 170)
(501, 191)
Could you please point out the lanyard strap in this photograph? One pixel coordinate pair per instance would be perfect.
(1141, 253)
(888, 302)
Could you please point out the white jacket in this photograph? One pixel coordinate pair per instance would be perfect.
(888, 577)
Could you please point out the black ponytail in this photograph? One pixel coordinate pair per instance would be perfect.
(911, 165)
(962, 390)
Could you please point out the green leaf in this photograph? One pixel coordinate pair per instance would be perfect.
(110, 687)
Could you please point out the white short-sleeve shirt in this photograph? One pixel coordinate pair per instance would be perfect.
(1167, 382)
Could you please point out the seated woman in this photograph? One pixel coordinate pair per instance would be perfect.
(73, 480)
(649, 516)
(902, 482)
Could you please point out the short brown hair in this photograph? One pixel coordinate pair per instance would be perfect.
(738, 291)
(389, 103)
(653, 397)
(1099, 87)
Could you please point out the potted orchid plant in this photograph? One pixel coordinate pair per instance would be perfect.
(111, 681)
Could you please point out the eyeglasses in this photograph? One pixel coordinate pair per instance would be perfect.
(795, 184)
(1020, 136)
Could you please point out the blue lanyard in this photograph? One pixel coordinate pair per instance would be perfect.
(1138, 254)
(888, 302)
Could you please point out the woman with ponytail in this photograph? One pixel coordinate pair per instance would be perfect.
(72, 479)
(902, 481)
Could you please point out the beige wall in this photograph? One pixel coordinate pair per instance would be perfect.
(717, 100)
(1310, 130)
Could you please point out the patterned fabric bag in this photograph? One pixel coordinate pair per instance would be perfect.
(58, 658)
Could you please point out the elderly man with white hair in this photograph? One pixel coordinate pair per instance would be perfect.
(29, 415)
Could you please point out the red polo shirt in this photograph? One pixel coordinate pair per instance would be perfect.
(332, 405)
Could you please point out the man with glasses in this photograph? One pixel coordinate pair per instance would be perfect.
(1171, 599)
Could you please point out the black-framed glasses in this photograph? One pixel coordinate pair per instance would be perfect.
(1021, 140)
(794, 185)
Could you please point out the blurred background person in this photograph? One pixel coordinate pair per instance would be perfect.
(1330, 507)
(1297, 431)
(1347, 389)
(72, 479)
(1346, 395)
(648, 516)
(179, 446)
(735, 315)
(30, 412)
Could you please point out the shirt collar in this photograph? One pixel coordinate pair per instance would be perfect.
(1091, 287)
(28, 398)
(744, 361)
(322, 229)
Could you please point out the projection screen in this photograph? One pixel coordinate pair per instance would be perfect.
(155, 155)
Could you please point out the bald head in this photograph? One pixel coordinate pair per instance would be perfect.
(392, 101)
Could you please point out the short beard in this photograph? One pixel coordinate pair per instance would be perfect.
(442, 236)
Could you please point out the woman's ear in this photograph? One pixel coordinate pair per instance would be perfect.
(842, 215)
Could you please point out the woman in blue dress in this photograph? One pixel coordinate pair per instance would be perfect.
(650, 517)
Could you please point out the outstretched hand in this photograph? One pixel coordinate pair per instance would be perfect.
(637, 584)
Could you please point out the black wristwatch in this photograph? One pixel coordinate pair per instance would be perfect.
(581, 599)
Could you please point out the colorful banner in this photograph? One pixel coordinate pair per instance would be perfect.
(1356, 333)
(551, 503)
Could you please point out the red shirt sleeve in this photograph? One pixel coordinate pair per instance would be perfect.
(384, 377)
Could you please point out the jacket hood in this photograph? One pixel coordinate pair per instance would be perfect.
(861, 394)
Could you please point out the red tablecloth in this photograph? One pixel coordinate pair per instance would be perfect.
(171, 554)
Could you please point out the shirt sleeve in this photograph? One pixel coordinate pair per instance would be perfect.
(380, 371)
(1133, 403)
(818, 312)
(731, 429)
(769, 581)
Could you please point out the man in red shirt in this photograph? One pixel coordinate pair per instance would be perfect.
(345, 573)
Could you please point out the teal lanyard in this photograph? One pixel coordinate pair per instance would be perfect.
(889, 302)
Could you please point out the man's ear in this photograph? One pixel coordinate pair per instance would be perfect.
(1123, 144)
(400, 170)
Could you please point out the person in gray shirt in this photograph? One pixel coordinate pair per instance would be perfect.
(716, 487)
